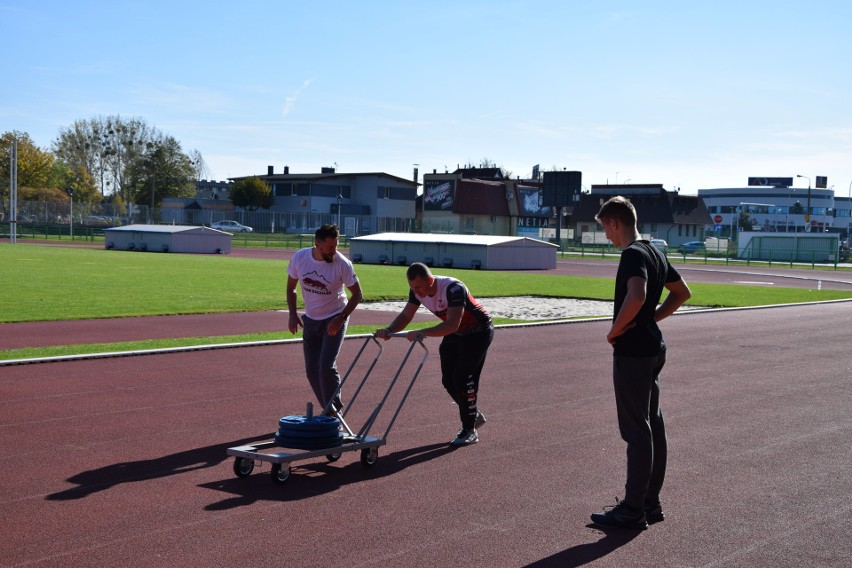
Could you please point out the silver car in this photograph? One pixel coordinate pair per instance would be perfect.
(231, 227)
(661, 244)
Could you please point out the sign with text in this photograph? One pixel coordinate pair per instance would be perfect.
(438, 195)
(770, 181)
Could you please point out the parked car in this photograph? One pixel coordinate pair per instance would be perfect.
(692, 247)
(231, 227)
(661, 244)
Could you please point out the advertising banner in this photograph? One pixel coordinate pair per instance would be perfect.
(438, 195)
(530, 202)
(771, 182)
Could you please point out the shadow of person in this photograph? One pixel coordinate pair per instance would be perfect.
(325, 477)
(92, 481)
(589, 552)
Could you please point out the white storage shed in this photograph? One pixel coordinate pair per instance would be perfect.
(168, 238)
(460, 251)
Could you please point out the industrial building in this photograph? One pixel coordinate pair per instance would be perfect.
(168, 238)
(457, 251)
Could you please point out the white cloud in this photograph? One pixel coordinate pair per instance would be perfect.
(290, 102)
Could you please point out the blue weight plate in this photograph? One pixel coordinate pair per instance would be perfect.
(309, 434)
(308, 444)
(303, 423)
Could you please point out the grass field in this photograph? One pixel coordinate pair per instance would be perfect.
(41, 283)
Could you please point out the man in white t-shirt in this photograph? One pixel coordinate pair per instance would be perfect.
(323, 274)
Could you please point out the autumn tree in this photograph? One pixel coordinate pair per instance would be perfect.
(39, 172)
(252, 193)
(119, 154)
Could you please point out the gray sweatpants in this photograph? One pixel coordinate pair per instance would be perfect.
(321, 350)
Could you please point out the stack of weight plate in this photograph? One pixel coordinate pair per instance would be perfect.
(309, 432)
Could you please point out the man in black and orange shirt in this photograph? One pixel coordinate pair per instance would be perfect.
(467, 331)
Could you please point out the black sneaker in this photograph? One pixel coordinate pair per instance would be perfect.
(465, 437)
(621, 516)
(480, 420)
(654, 514)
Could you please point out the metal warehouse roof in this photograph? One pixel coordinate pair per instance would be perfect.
(486, 240)
(169, 229)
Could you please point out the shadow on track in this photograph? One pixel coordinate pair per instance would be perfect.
(311, 479)
(89, 482)
(589, 552)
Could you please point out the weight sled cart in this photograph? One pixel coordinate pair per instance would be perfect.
(245, 457)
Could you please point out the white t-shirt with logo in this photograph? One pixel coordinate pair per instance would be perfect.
(323, 283)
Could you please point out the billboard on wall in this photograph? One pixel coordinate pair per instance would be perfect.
(438, 195)
(771, 182)
(530, 202)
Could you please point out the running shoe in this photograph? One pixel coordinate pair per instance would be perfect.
(465, 438)
(621, 516)
(654, 514)
(480, 420)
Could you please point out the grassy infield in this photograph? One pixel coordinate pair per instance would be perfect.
(48, 283)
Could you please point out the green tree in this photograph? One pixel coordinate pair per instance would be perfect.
(85, 190)
(745, 222)
(252, 193)
(162, 170)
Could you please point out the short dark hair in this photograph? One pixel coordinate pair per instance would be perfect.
(620, 209)
(325, 232)
(418, 270)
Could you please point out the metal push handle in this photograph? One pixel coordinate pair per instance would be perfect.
(369, 423)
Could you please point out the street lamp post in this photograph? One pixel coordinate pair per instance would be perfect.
(71, 216)
(339, 204)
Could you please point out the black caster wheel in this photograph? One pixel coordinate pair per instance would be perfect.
(369, 456)
(333, 457)
(243, 467)
(280, 473)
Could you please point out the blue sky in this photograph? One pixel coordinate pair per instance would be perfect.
(689, 94)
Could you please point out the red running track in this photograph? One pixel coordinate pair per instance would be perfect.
(121, 462)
